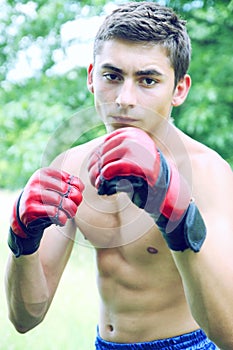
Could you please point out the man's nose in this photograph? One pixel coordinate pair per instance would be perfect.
(126, 95)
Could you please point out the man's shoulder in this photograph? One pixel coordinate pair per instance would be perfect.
(87, 147)
(209, 170)
(71, 159)
(200, 154)
(201, 162)
(205, 157)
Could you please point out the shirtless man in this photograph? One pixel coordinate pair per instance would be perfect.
(156, 204)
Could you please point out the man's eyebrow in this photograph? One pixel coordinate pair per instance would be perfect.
(113, 68)
(149, 72)
(145, 72)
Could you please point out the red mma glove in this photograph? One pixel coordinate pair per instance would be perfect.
(129, 161)
(50, 197)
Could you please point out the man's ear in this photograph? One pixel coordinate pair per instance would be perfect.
(90, 78)
(181, 91)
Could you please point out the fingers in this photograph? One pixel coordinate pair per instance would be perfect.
(115, 147)
(125, 152)
(50, 194)
(100, 159)
(55, 180)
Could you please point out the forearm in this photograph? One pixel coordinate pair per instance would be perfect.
(208, 288)
(32, 280)
(27, 291)
(40, 248)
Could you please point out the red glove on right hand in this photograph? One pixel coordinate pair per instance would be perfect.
(50, 197)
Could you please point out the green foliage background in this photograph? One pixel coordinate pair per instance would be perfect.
(35, 109)
(42, 115)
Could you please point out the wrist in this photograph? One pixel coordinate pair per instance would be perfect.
(187, 233)
(23, 246)
(21, 240)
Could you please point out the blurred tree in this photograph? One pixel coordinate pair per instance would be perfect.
(207, 115)
(30, 116)
(41, 104)
(37, 102)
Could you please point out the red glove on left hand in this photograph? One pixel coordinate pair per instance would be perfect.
(129, 161)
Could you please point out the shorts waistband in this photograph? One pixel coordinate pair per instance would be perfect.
(189, 341)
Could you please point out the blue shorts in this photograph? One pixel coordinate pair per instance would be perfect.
(196, 340)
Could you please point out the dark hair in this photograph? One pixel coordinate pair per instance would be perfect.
(149, 22)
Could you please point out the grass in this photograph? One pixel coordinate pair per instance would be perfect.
(71, 321)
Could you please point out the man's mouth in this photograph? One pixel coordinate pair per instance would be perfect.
(123, 119)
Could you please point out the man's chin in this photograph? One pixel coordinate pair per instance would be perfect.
(116, 126)
(111, 126)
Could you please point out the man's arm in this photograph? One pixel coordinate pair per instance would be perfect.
(32, 280)
(40, 250)
(129, 161)
(208, 276)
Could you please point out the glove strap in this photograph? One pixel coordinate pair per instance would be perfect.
(189, 233)
(20, 245)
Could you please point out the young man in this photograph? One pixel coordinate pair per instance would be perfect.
(156, 204)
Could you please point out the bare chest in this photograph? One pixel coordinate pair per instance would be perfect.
(131, 252)
(114, 222)
(111, 221)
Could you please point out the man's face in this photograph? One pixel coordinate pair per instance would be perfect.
(133, 85)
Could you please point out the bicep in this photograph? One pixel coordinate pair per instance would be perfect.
(217, 209)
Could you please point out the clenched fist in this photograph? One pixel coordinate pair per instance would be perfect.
(129, 161)
(50, 197)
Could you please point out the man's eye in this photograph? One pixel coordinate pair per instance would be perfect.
(148, 81)
(111, 76)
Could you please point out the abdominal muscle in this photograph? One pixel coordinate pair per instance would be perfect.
(139, 302)
(141, 292)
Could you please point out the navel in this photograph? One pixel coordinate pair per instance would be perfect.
(152, 250)
(110, 328)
